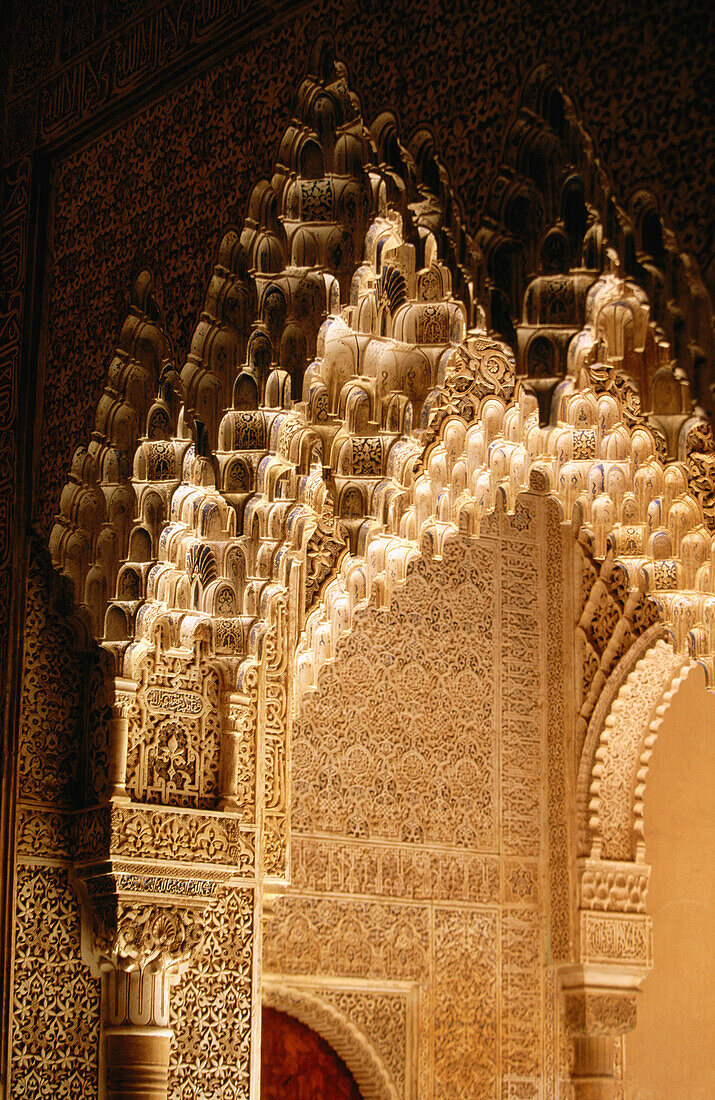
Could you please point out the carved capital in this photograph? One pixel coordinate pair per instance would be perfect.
(598, 1012)
(145, 936)
(595, 1018)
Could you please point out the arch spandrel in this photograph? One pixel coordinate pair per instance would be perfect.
(336, 423)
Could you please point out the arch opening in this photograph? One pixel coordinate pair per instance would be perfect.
(677, 1003)
(298, 1064)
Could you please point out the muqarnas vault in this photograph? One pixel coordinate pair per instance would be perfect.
(370, 613)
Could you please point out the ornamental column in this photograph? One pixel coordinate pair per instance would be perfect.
(601, 990)
(596, 1018)
(136, 1034)
(140, 949)
(170, 840)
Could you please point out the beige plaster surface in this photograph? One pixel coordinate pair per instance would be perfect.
(671, 1054)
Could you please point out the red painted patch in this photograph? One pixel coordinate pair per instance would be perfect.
(296, 1064)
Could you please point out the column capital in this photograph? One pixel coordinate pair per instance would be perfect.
(599, 1011)
(144, 936)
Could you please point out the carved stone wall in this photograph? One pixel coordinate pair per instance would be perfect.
(331, 565)
(55, 999)
(420, 851)
(211, 1008)
(52, 714)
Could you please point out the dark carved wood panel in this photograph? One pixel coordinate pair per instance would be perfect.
(296, 1064)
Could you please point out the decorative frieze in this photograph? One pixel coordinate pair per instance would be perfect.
(148, 833)
(320, 865)
(623, 939)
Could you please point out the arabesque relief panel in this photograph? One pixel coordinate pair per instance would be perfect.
(211, 1008)
(421, 700)
(56, 1001)
(55, 998)
(419, 794)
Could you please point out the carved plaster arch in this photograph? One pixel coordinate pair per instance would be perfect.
(347, 1040)
(625, 747)
(614, 926)
(595, 728)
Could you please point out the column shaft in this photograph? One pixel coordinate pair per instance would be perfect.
(136, 1034)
